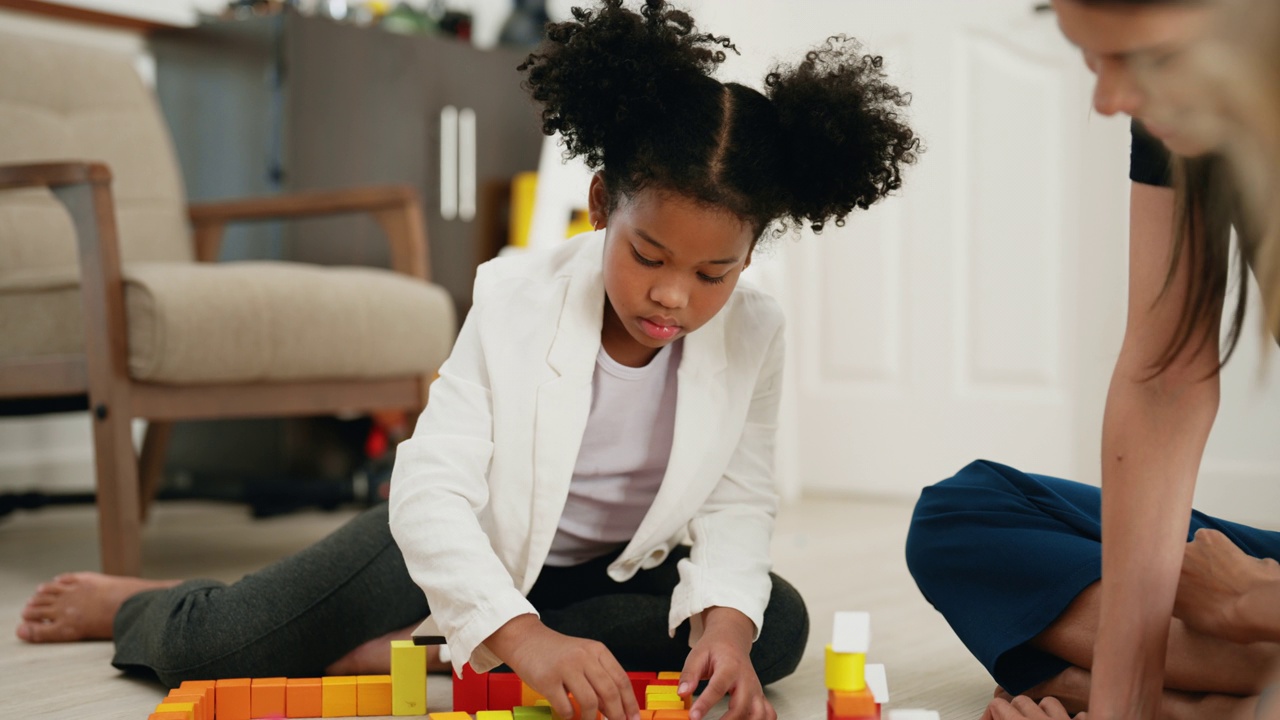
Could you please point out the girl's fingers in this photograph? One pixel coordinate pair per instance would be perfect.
(1054, 709)
(605, 696)
(580, 688)
(626, 694)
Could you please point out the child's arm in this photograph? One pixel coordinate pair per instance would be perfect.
(439, 485)
(724, 585)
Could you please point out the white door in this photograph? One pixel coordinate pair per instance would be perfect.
(977, 314)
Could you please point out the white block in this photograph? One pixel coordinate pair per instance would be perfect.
(912, 715)
(878, 682)
(851, 632)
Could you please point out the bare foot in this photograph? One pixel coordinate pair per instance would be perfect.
(374, 657)
(80, 606)
(1071, 688)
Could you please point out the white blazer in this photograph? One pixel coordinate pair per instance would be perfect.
(477, 492)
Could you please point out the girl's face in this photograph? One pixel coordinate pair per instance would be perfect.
(1117, 39)
(670, 264)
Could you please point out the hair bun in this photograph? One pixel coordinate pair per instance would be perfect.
(843, 132)
(610, 70)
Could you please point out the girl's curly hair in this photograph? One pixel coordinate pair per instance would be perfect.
(633, 95)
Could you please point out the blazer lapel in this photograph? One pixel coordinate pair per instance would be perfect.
(563, 404)
(700, 395)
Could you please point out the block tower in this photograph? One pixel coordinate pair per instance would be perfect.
(848, 697)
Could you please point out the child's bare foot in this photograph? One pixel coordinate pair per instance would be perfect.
(80, 606)
(374, 657)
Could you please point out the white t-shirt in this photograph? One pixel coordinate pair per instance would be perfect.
(623, 457)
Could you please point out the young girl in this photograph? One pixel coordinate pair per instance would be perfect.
(604, 402)
(1017, 562)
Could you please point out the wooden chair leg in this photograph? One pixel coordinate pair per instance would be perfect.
(155, 446)
(119, 517)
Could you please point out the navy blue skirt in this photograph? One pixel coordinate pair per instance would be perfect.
(1001, 554)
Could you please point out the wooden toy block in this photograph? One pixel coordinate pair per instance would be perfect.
(877, 682)
(208, 687)
(577, 709)
(671, 715)
(470, 691)
(190, 696)
(673, 682)
(663, 701)
(640, 681)
(232, 698)
(504, 691)
(338, 696)
(852, 704)
(373, 695)
(832, 715)
(266, 697)
(851, 632)
(845, 671)
(669, 675)
(304, 698)
(531, 712)
(449, 716)
(647, 714)
(188, 710)
(495, 714)
(408, 678)
(167, 716)
(528, 696)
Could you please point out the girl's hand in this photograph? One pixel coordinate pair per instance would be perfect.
(1216, 579)
(723, 657)
(558, 665)
(1023, 707)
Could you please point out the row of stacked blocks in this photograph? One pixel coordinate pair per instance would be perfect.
(491, 696)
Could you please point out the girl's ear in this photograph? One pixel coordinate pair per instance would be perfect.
(747, 263)
(598, 202)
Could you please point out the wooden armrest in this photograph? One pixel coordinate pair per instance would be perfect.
(395, 208)
(303, 204)
(52, 174)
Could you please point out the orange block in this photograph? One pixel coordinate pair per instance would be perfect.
(671, 715)
(373, 695)
(577, 709)
(167, 716)
(304, 698)
(201, 709)
(207, 687)
(338, 696)
(233, 698)
(857, 703)
(266, 697)
(528, 696)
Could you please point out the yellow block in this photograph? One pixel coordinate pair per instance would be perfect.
(408, 678)
(495, 715)
(338, 696)
(449, 716)
(846, 671)
(373, 695)
(669, 675)
(524, 188)
(664, 702)
(188, 708)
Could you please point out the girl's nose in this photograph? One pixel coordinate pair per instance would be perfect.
(1117, 91)
(669, 295)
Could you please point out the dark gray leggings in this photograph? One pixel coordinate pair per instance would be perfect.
(299, 615)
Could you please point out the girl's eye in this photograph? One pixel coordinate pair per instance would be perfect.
(644, 260)
(712, 280)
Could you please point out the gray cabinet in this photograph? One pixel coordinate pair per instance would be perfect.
(290, 103)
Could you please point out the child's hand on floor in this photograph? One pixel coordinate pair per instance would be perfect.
(722, 657)
(557, 665)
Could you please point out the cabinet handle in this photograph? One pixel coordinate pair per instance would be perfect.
(449, 162)
(467, 165)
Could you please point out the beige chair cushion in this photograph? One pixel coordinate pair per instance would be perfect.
(64, 102)
(244, 322)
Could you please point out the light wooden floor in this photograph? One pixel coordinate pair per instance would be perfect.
(842, 555)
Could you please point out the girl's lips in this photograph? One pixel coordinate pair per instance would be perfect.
(657, 331)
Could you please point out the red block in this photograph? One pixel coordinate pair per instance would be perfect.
(640, 681)
(504, 691)
(471, 691)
